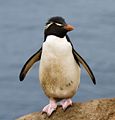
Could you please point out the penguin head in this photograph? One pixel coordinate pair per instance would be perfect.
(57, 26)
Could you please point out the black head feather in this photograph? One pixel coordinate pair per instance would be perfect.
(56, 19)
(55, 26)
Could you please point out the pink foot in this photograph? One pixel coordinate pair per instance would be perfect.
(66, 103)
(50, 108)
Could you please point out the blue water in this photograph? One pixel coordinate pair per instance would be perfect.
(21, 35)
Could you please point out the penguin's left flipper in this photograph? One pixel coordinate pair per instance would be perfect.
(85, 65)
(34, 58)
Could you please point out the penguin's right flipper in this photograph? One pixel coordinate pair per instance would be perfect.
(34, 58)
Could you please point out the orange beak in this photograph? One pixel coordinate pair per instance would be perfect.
(69, 27)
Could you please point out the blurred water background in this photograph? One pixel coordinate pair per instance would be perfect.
(21, 35)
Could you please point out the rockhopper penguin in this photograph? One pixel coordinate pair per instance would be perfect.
(59, 70)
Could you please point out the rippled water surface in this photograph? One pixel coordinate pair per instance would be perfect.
(21, 35)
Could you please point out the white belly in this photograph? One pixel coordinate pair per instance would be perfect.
(59, 73)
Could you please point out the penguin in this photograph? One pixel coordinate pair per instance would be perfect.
(59, 69)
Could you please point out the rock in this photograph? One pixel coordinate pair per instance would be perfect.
(102, 109)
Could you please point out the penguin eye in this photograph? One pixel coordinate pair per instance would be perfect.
(59, 24)
(48, 25)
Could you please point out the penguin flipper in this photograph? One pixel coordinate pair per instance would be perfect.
(34, 58)
(85, 65)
